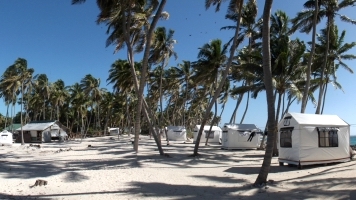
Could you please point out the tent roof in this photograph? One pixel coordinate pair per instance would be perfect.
(14, 127)
(178, 128)
(38, 126)
(207, 127)
(314, 119)
(241, 126)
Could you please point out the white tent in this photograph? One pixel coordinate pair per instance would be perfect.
(114, 131)
(306, 139)
(236, 136)
(176, 133)
(6, 138)
(44, 131)
(214, 136)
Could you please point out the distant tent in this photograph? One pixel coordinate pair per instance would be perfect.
(42, 131)
(214, 136)
(176, 133)
(6, 138)
(236, 136)
(114, 131)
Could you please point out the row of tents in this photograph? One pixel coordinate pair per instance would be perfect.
(302, 139)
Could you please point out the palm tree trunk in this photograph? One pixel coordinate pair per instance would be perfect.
(324, 96)
(146, 111)
(247, 102)
(212, 122)
(7, 114)
(222, 81)
(238, 102)
(321, 84)
(310, 60)
(262, 176)
(290, 101)
(44, 108)
(22, 139)
(160, 97)
(144, 73)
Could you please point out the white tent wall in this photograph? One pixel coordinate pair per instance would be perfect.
(293, 152)
(48, 130)
(305, 148)
(6, 138)
(176, 133)
(114, 131)
(235, 136)
(215, 135)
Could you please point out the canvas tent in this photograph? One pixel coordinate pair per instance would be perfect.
(214, 136)
(306, 139)
(114, 131)
(44, 131)
(237, 136)
(6, 138)
(176, 133)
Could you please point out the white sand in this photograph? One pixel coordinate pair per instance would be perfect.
(110, 170)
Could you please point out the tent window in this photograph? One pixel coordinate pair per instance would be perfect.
(286, 121)
(328, 137)
(286, 137)
(211, 135)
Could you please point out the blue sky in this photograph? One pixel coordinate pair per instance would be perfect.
(64, 42)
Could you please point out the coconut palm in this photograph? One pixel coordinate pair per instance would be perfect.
(302, 26)
(328, 9)
(131, 23)
(19, 77)
(161, 51)
(212, 57)
(234, 7)
(123, 82)
(91, 88)
(44, 89)
(336, 56)
(267, 71)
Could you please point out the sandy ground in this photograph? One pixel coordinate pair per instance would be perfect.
(110, 170)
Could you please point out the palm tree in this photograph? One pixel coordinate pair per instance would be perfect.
(296, 26)
(207, 69)
(129, 23)
(327, 9)
(184, 72)
(123, 82)
(21, 77)
(161, 51)
(336, 56)
(267, 71)
(91, 88)
(79, 103)
(234, 7)
(44, 89)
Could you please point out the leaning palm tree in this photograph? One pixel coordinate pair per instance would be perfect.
(267, 71)
(131, 23)
(212, 57)
(234, 7)
(161, 51)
